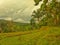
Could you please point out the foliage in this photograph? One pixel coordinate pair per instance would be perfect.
(44, 36)
(10, 26)
(51, 11)
(37, 2)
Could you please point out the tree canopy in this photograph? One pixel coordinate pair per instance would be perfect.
(51, 10)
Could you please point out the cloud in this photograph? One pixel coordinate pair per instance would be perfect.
(21, 20)
(20, 10)
(8, 18)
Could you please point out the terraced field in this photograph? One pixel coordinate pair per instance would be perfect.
(43, 36)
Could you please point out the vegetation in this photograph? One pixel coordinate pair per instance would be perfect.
(48, 13)
(44, 28)
(10, 26)
(44, 36)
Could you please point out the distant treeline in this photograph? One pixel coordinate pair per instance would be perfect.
(10, 26)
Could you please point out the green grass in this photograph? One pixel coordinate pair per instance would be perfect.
(43, 36)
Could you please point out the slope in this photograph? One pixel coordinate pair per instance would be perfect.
(43, 36)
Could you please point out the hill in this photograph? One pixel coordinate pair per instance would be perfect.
(10, 26)
(43, 36)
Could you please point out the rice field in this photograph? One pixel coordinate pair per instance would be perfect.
(43, 36)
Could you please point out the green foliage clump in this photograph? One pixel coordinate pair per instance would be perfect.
(48, 14)
(10, 26)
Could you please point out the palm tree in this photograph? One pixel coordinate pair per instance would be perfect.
(53, 8)
(37, 1)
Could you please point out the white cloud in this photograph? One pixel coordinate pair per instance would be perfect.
(8, 18)
(17, 9)
(21, 20)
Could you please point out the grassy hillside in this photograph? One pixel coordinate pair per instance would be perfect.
(43, 36)
(10, 26)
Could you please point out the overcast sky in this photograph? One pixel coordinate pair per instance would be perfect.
(17, 10)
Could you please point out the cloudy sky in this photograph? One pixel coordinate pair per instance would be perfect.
(17, 10)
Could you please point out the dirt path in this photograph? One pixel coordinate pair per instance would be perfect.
(18, 33)
(22, 33)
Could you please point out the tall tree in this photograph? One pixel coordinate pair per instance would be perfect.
(49, 9)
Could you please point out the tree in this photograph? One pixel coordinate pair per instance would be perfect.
(32, 22)
(10, 26)
(36, 14)
(37, 2)
(51, 9)
(55, 6)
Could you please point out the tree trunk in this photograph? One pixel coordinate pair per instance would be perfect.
(38, 20)
(56, 20)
